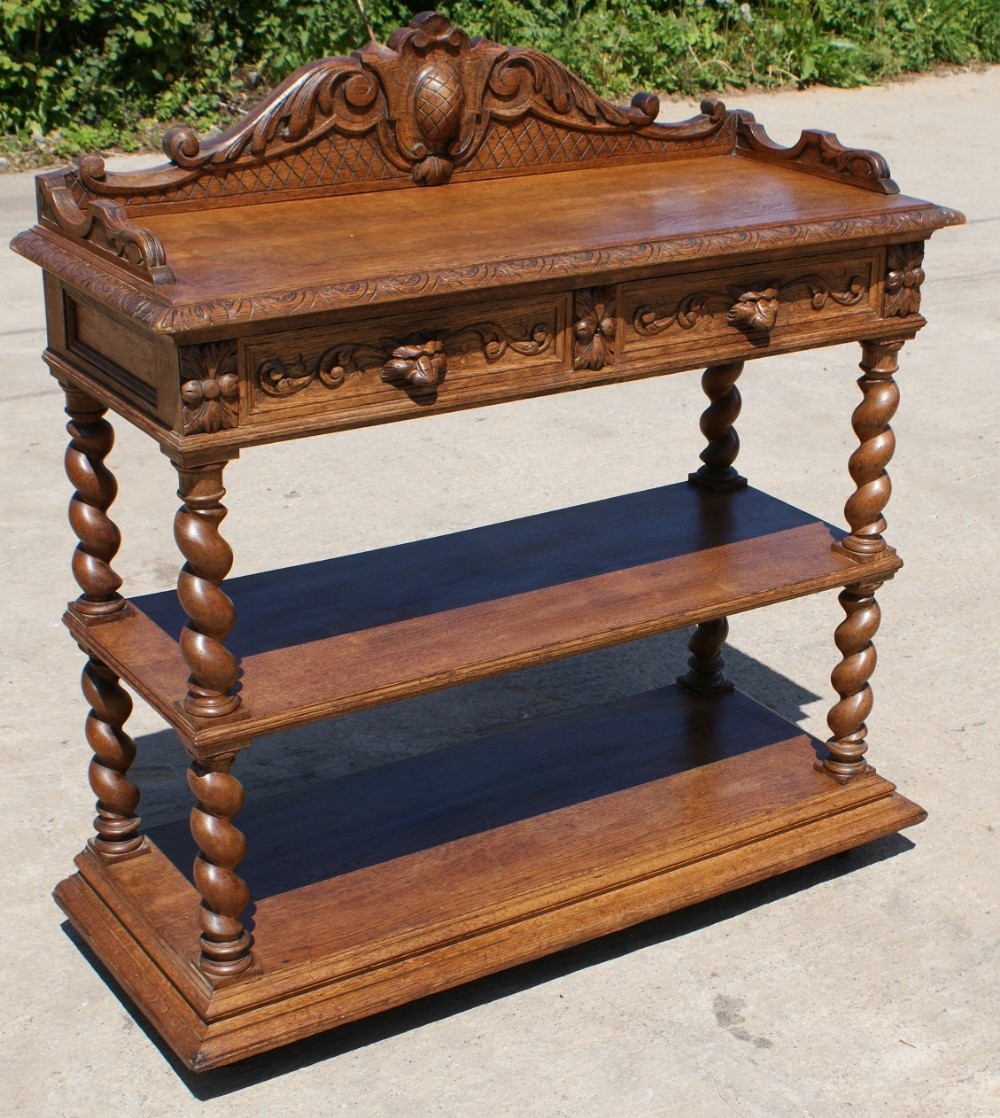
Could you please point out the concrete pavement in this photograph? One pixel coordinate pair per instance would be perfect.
(865, 985)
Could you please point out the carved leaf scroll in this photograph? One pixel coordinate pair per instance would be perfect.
(414, 361)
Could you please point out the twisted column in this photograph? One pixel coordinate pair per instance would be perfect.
(91, 440)
(225, 943)
(867, 464)
(116, 824)
(214, 669)
(718, 472)
(850, 680)
(706, 675)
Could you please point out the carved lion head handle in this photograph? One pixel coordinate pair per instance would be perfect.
(420, 364)
(755, 310)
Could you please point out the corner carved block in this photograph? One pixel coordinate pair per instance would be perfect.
(595, 329)
(904, 275)
(210, 388)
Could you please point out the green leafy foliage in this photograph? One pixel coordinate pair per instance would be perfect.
(92, 71)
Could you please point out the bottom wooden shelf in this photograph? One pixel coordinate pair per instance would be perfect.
(400, 881)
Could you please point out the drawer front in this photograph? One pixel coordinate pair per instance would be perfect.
(747, 309)
(388, 367)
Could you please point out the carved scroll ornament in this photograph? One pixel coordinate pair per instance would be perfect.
(415, 362)
(209, 388)
(750, 310)
(817, 153)
(105, 226)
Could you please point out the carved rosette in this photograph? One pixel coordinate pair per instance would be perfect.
(210, 388)
(411, 362)
(904, 275)
(595, 328)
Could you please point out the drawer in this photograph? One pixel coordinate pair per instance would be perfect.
(390, 366)
(746, 309)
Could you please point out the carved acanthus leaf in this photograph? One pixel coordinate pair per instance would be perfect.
(210, 387)
(419, 362)
(904, 275)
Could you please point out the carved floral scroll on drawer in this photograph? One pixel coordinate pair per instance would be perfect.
(748, 306)
(394, 364)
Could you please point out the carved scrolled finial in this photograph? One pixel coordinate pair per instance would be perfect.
(182, 146)
(92, 169)
(427, 30)
(645, 109)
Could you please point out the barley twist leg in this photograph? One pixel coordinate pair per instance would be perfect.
(214, 669)
(225, 943)
(91, 440)
(850, 680)
(116, 824)
(706, 675)
(718, 472)
(867, 465)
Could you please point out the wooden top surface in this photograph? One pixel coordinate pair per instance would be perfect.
(438, 164)
(462, 235)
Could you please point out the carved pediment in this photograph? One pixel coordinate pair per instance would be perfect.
(430, 104)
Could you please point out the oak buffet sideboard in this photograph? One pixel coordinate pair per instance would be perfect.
(432, 224)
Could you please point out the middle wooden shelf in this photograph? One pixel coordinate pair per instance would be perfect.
(356, 631)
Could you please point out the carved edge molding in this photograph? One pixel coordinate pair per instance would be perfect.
(105, 227)
(166, 318)
(903, 278)
(415, 362)
(816, 152)
(210, 388)
(750, 310)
